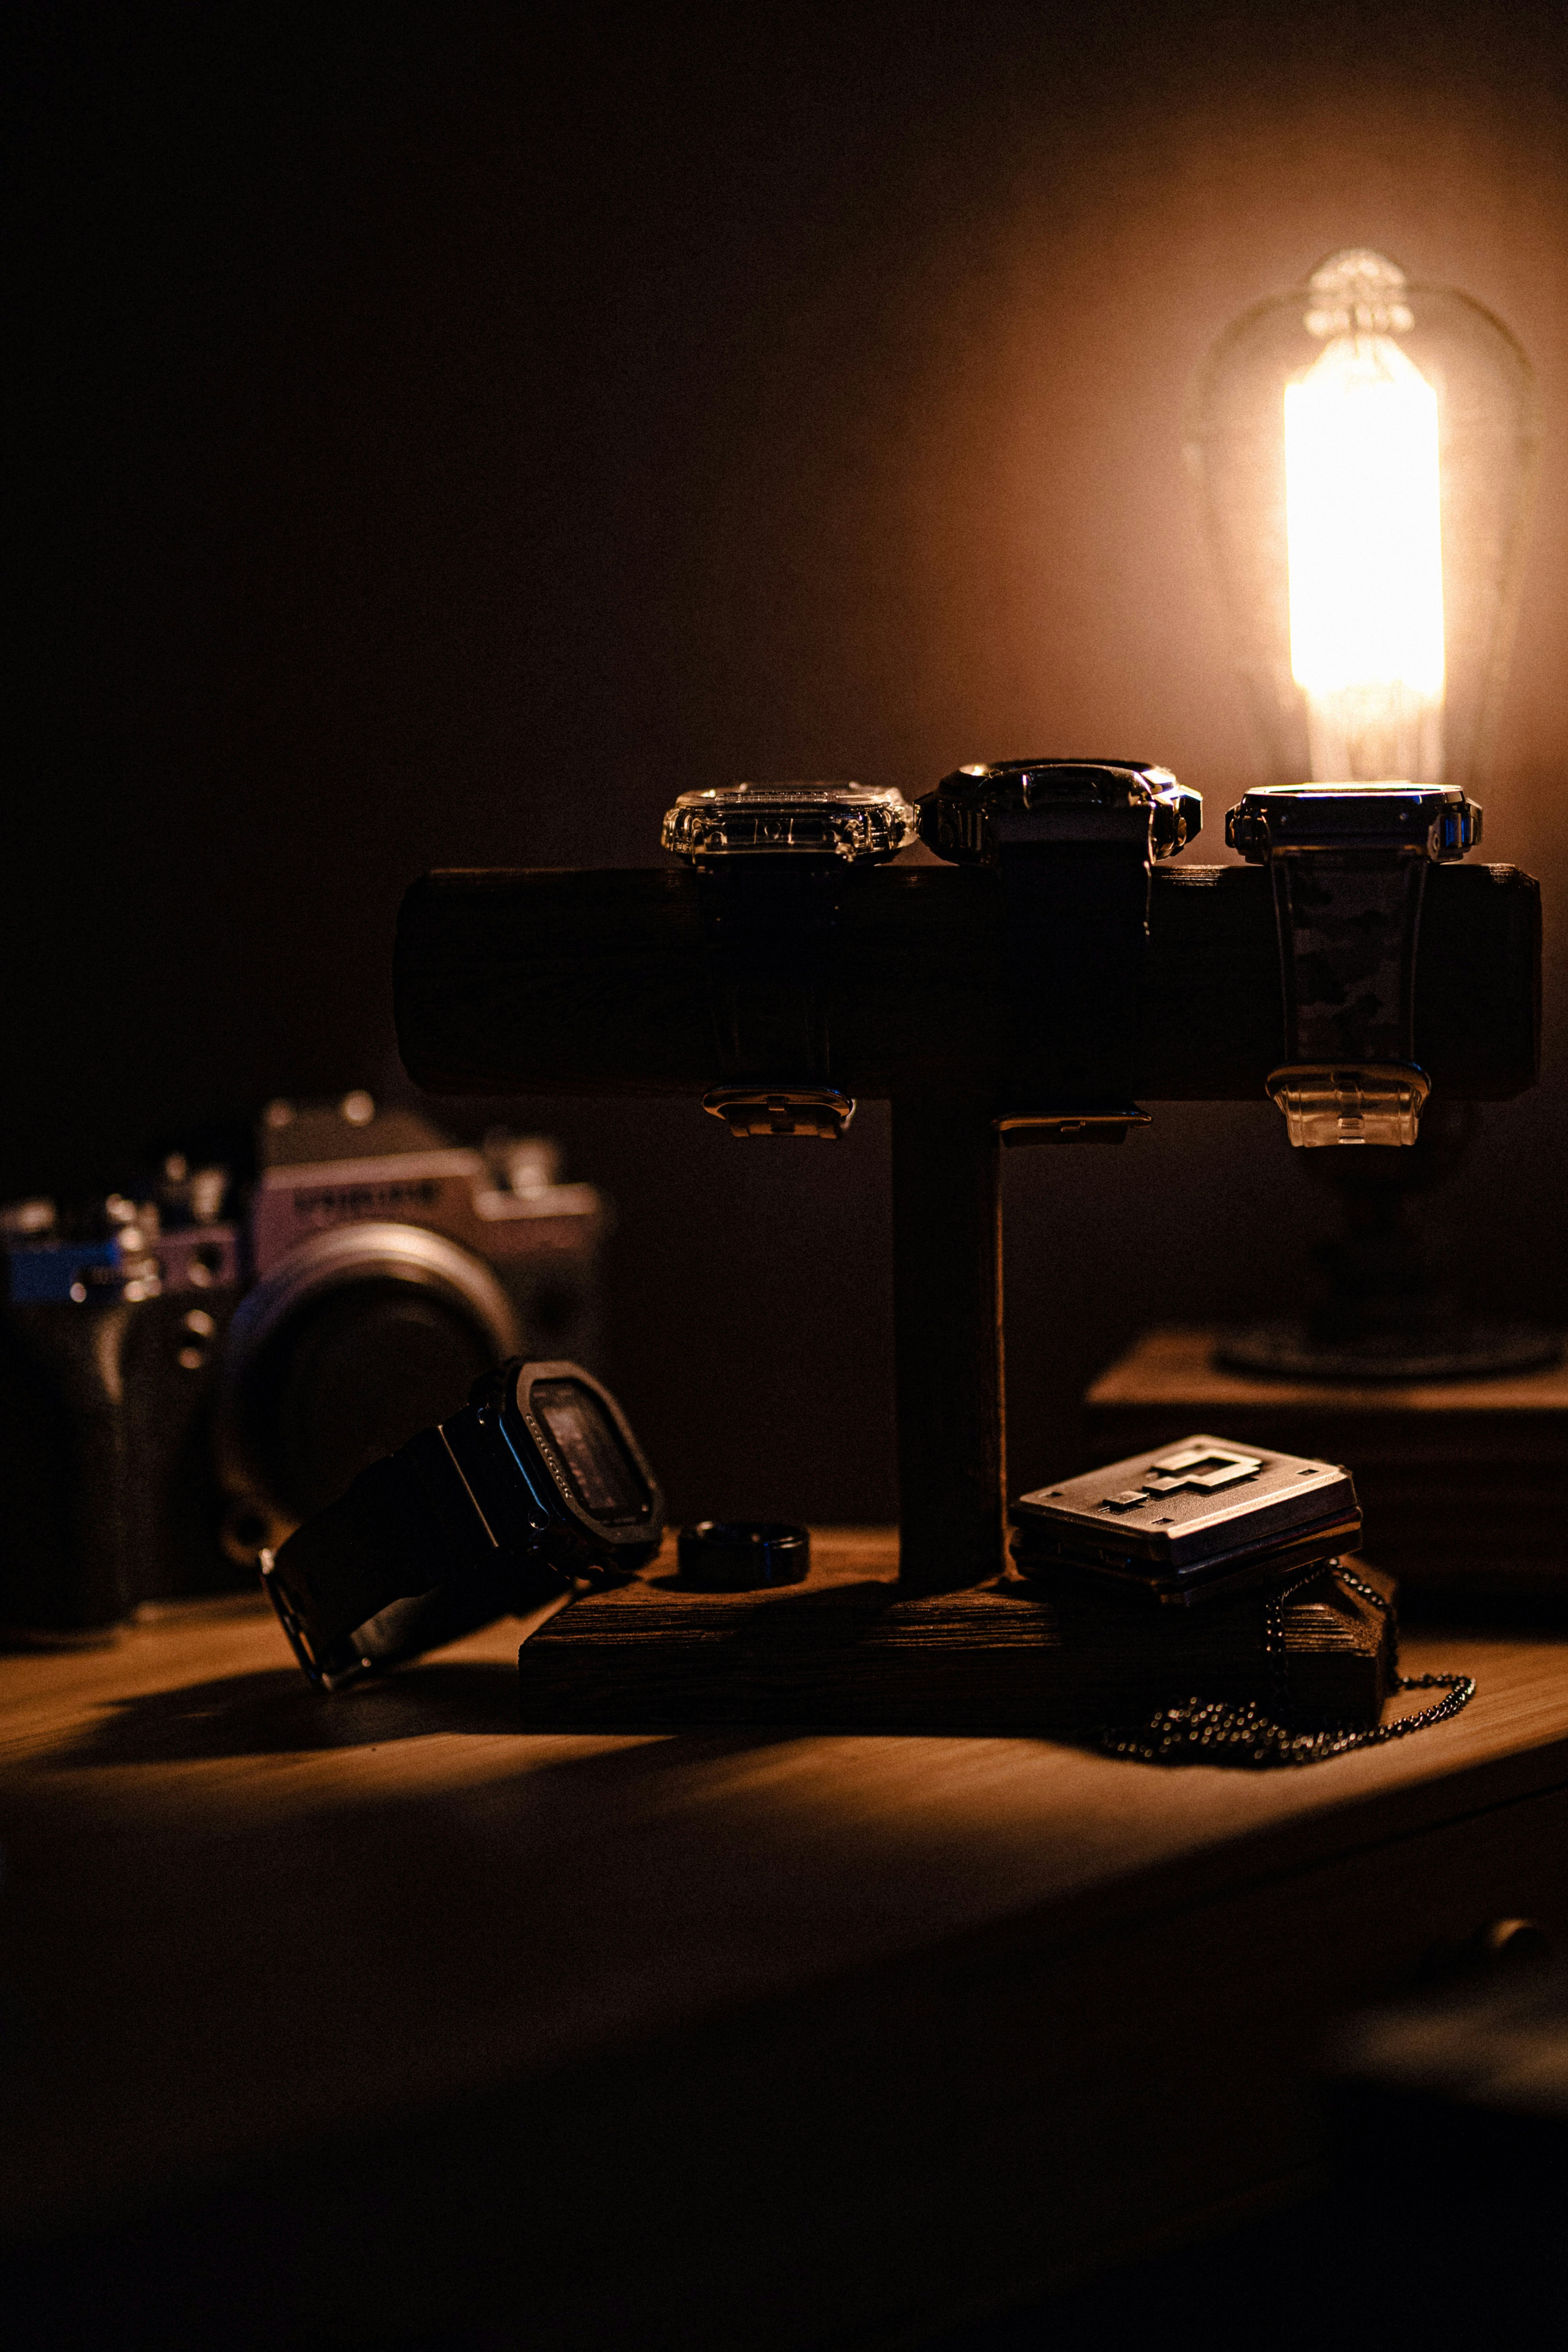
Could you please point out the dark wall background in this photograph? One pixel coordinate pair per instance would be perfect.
(449, 432)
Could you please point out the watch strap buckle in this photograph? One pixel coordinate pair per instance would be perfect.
(820, 1111)
(1323, 1103)
(1103, 1123)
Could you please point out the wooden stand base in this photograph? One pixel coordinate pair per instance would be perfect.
(846, 1651)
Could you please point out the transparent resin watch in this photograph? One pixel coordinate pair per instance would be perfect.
(773, 863)
(852, 821)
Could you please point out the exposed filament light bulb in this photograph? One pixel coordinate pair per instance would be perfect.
(1363, 523)
(1365, 448)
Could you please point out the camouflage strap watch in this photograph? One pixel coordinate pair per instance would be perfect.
(1348, 864)
(1072, 844)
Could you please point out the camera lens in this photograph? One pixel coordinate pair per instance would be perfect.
(361, 1337)
(351, 1378)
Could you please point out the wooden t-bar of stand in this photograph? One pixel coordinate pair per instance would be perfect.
(596, 983)
(599, 983)
(947, 1341)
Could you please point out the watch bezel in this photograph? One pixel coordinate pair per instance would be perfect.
(855, 825)
(1439, 821)
(955, 819)
(519, 1421)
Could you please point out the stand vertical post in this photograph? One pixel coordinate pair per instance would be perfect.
(947, 1341)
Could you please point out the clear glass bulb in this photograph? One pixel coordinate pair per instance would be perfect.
(1365, 450)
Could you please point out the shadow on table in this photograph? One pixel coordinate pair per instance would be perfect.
(273, 1712)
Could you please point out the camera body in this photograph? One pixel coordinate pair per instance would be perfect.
(107, 1341)
(186, 1377)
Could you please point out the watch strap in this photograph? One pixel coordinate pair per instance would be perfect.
(406, 1558)
(1074, 924)
(1349, 925)
(771, 934)
(1348, 870)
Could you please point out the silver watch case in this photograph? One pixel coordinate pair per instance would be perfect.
(1437, 819)
(976, 810)
(861, 823)
(1203, 1515)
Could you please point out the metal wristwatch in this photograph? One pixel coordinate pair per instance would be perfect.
(1348, 864)
(1073, 844)
(536, 1484)
(772, 861)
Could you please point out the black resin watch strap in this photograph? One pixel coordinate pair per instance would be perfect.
(418, 1551)
(426, 1621)
(1076, 918)
(404, 1526)
(771, 928)
(1349, 923)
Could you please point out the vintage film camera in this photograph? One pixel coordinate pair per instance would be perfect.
(186, 1376)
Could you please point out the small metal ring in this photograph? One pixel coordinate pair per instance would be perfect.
(743, 1555)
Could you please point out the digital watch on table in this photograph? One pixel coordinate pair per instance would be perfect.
(772, 861)
(538, 1482)
(1073, 844)
(1348, 864)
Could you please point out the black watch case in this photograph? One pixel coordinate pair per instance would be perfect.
(1439, 822)
(975, 811)
(598, 1503)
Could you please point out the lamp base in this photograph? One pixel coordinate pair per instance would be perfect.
(1460, 1481)
(1466, 1347)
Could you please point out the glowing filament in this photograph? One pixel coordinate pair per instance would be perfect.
(1363, 522)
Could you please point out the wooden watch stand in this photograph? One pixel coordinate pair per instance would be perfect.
(595, 983)
(849, 1650)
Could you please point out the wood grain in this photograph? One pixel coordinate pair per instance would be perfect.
(848, 1652)
(600, 984)
(326, 2017)
(947, 1342)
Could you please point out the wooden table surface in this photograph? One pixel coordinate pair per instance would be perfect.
(928, 2005)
